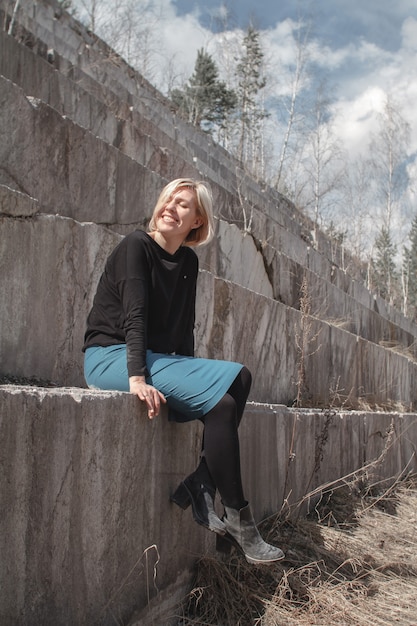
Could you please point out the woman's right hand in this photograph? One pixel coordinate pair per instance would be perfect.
(148, 394)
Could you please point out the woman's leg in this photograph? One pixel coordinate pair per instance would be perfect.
(223, 459)
(106, 368)
(220, 467)
(239, 390)
(199, 488)
(222, 453)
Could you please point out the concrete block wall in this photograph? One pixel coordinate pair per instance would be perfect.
(50, 266)
(88, 535)
(85, 507)
(59, 173)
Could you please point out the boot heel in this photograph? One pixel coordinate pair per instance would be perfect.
(223, 544)
(181, 497)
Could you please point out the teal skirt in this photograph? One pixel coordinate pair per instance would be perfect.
(192, 386)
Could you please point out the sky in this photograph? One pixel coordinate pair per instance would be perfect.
(337, 22)
(368, 48)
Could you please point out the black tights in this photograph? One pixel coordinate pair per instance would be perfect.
(221, 441)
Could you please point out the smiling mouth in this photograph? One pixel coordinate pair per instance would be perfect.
(169, 218)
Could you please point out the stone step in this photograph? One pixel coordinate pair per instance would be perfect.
(108, 118)
(127, 121)
(288, 352)
(86, 480)
(92, 59)
(158, 158)
(50, 161)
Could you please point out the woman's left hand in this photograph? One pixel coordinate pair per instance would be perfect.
(148, 394)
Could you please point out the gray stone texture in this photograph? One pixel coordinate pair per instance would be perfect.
(50, 266)
(88, 532)
(85, 499)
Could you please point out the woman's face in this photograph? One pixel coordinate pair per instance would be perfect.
(178, 216)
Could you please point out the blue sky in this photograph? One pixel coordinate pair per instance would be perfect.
(337, 22)
(366, 48)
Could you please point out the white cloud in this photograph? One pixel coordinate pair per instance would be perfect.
(409, 34)
(362, 71)
(356, 119)
(363, 74)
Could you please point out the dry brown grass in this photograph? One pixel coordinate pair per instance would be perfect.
(353, 563)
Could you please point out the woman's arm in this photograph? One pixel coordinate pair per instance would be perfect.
(133, 286)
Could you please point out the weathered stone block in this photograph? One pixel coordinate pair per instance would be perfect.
(87, 532)
(87, 529)
(16, 204)
(50, 267)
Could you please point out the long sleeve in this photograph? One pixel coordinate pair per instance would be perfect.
(133, 276)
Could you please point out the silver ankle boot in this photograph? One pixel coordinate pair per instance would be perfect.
(241, 532)
(201, 497)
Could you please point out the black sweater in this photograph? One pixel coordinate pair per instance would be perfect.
(146, 299)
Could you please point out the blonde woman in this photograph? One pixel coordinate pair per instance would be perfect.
(140, 338)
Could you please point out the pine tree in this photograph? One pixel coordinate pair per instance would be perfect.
(385, 270)
(251, 111)
(410, 268)
(205, 101)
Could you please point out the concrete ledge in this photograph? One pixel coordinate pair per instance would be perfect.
(88, 534)
(53, 297)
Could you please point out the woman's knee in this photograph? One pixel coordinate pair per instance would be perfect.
(241, 386)
(246, 377)
(225, 410)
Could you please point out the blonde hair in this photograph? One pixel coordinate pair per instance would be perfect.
(204, 233)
